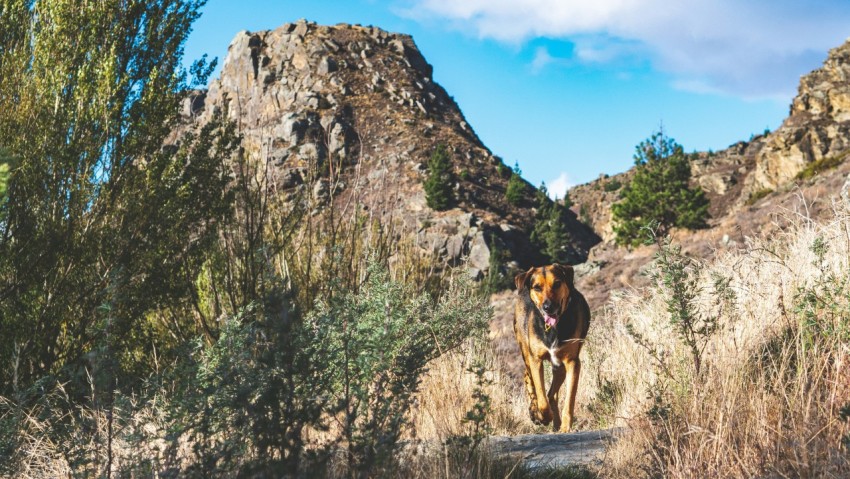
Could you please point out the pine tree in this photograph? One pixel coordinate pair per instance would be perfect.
(550, 227)
(515, 192)
(439, 192)
(659, 195)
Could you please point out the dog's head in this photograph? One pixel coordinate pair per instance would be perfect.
(549, 287)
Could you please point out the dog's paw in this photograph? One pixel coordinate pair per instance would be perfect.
(544, 416)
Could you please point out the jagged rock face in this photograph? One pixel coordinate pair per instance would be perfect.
(818, 125)
(354, 112)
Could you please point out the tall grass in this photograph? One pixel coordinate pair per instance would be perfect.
(774, 376)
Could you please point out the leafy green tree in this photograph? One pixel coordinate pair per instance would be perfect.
(516, 189)
(659, 193)
(5, 162)
(104, 221)
(439, 186)
(550, 227)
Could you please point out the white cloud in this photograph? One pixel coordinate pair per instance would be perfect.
(749, 48)
(559, 186)
(542, 58)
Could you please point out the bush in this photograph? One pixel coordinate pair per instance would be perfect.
(659, 193)
(439, 186)
(516, 189)
(351, 368)
(819, 166)
(612, 185)
(755, 196)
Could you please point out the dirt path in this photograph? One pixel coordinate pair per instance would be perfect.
(556, 450)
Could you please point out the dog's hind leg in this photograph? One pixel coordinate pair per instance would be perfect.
(558, 375)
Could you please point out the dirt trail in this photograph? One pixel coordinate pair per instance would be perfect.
(556, 450)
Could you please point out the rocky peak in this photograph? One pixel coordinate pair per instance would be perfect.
(354, 111)
(818, 125)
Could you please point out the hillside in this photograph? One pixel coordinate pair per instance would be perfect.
(753, 185)
(354, 112)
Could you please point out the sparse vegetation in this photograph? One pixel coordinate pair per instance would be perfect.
(516, 190)
(659, 193)
(612, 185)
(755, 196)
(439, 186)
(785, 364)
(819, 166)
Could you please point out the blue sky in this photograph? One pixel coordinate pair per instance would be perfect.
(567, 88)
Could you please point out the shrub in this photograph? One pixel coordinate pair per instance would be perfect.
(516, 189)
(350, 370)
(497, 278)
(819, 166)
(464, 175)
(439, 186)
(503, 170)
(755, 196)
(659, 193)
(612, 185)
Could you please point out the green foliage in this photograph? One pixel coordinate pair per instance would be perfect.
(659, 192)
(497, 278)
(550, 233)
(464, 175)
(612, 185)
(755, 196)
(439, 186)
(465, 447)
(677, 279)
(516, 189)
(503, 170)
(819, 166)
(103, 224)
(380, 340)
(244, 401)
(5, 160)
(677, 276)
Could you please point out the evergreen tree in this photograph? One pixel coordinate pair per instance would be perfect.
(515, 191)
(439, 186)
(659, 195)
(550, 227)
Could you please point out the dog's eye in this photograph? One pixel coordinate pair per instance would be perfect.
(537, 287)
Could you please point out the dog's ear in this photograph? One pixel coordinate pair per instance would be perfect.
(566, 273)
(522, 279)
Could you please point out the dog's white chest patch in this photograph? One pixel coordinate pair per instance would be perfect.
(553, 354)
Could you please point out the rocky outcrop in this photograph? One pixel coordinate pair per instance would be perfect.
(818, 125)
(348, 113)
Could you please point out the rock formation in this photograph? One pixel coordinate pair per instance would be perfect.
(353, 111)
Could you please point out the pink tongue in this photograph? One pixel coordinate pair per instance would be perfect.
(550, 320)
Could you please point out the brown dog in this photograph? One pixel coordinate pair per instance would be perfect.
(551, 320)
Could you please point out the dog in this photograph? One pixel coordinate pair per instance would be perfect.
(551, 320)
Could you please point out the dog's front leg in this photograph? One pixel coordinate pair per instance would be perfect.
(558, 375)
(573, 371)
(543, 410)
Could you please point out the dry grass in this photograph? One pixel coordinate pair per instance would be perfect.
(446, 396)
(766, 404)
